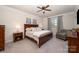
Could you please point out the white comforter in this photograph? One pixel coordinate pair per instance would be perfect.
(37, 34)
(41, 33)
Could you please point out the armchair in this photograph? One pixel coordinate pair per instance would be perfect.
(62, 34)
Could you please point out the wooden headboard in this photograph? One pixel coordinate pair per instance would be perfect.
(28, 26)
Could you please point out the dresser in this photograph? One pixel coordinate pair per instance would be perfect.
(73, 42)
(2, 37)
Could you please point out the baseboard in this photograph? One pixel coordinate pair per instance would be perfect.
(8, 41)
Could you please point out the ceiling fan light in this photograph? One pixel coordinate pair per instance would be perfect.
(43, 12)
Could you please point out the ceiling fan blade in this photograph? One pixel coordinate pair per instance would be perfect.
(39, 7)
(47, 6)
(48, 9)
(39, 10)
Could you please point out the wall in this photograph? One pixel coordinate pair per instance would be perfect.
(12, 17)
(45, 23)
(68, 21)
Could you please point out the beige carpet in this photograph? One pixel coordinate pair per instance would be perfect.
(26, 46)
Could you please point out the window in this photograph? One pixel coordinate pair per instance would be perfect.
(54, 22)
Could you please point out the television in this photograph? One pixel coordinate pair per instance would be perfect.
(78, 16)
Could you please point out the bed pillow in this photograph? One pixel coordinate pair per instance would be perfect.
(34, 29)
(29, 29)
(38, 29)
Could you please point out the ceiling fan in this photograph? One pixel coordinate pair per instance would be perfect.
(44, 8)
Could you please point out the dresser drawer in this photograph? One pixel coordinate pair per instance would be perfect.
(72, 49)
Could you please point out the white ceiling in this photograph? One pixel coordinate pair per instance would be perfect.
(56, 9)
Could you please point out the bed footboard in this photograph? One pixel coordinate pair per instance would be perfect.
(44, 39)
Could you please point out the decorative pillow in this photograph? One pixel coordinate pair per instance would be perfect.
(28, 29)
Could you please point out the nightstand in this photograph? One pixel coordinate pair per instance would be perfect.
(17, 36)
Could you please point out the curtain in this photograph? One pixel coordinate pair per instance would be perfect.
(52, 22)
(59, 23)
(49, 23)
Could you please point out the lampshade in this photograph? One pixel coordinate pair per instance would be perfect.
(18, 28)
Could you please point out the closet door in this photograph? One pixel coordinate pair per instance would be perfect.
(2, 36)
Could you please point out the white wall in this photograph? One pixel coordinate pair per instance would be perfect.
(45, 23)
(68, 21)
(12, 17)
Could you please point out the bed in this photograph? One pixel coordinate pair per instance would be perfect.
(38, 36)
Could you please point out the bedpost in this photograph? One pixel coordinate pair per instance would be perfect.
(24, 30)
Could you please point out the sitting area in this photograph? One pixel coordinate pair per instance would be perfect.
(62, 34)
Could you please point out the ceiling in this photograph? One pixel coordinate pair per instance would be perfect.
(56, 9)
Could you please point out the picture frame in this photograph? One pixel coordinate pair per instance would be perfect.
(28, 20)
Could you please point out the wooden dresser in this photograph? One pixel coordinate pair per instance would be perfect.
(73, 45)
(73, 42)
(2, 37)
